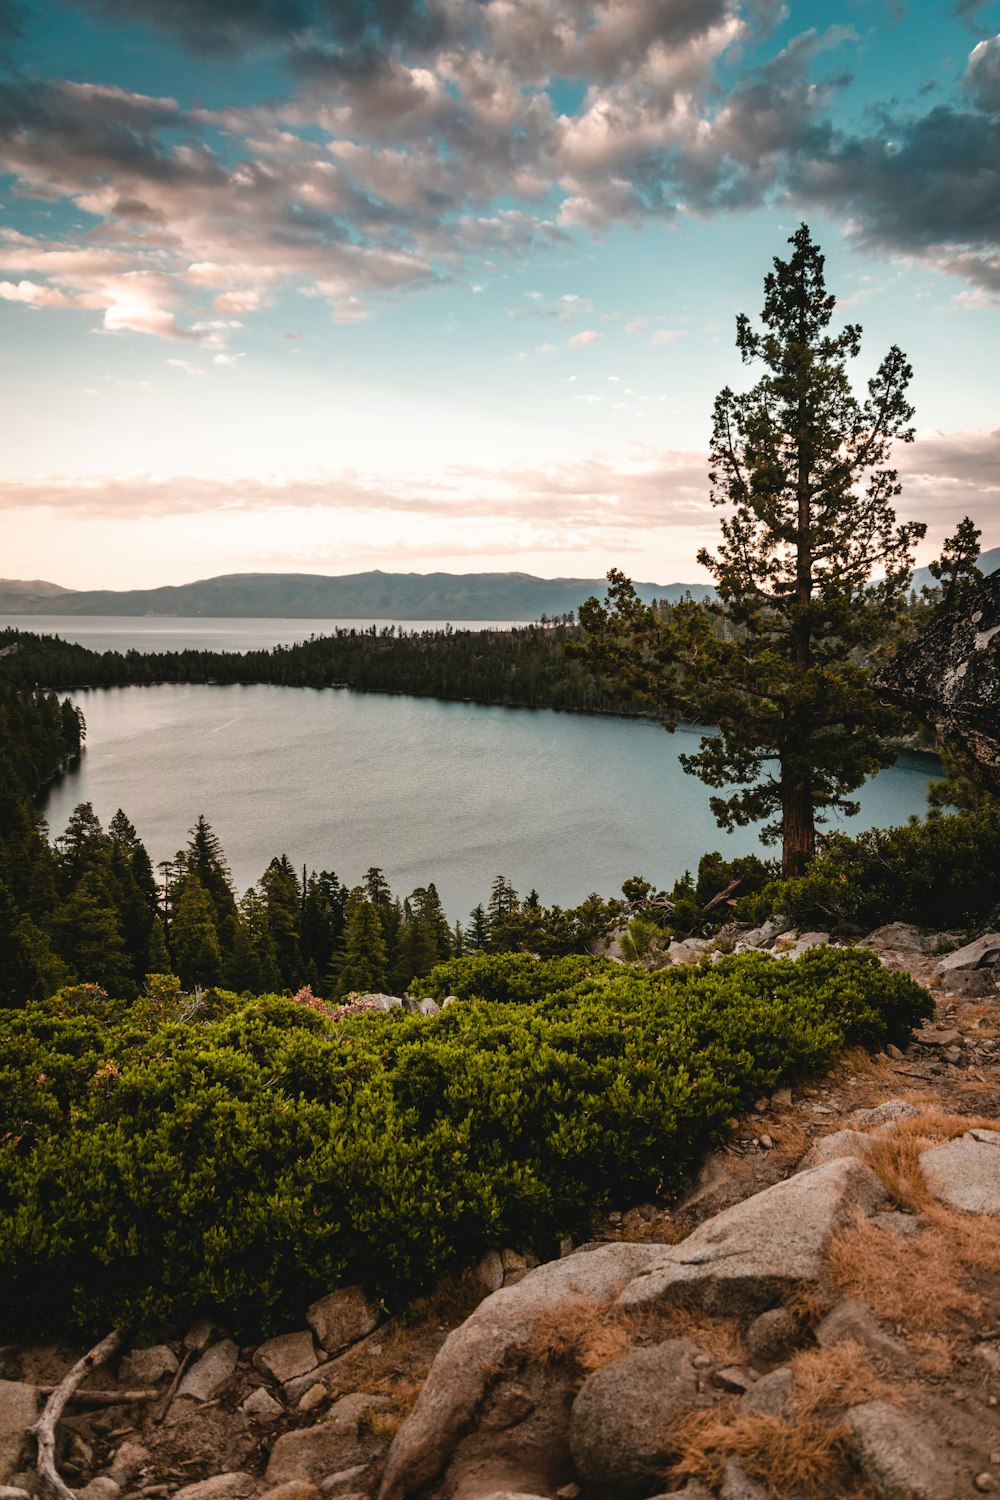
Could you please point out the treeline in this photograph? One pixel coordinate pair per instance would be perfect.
(526, 667)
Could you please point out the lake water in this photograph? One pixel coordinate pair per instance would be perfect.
(449, 792)
(181, 633)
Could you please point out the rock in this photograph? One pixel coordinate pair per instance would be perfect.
(101, 1488)
(10, 1362)
(295, 1489)
(900, 937)
(14, 1492)
(966, 1172)
(770, 1397)
(933, 1036)
(764, 936)
(712, 1184)
(625, 1414)
(18, 1410)
(428, 1007)
(903, 1226)
(687, 952)
(312, 1452)
(200, 1334)
(804, 943)
(737, 1485)
(141, 1367)
(313, 1397)
(262, 1405)
(949, 675)
(734, 1379)
(772, 1336)
(342, 1318)
(510, 1405)
(471, 1355)
(982, 953)
(756, 1252)
(212, 1373)
(985, 1483)
(884, 1114)
(129, 1461)
(693, 1490)
(853, 1320)
(339, 1481)
(376, 1001)
(220, 1487)
(285, 1357)
(838, 1143)
(899, 1454)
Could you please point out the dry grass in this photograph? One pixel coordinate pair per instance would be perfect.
(803, 1452)
(577, 1331)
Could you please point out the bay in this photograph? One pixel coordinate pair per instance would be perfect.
(185, 633)
(452, 793)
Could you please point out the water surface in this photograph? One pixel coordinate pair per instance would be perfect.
(450, 792)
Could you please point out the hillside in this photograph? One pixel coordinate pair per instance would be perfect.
(398, 596)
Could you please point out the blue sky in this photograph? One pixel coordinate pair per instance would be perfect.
(327, 285)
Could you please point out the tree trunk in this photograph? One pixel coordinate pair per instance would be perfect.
(798, 827)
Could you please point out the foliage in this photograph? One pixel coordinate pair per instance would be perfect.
(942, 873)
(781, 662)
(247, 1156)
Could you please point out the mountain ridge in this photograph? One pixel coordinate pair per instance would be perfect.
(351, 596)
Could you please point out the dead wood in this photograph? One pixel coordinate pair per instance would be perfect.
(44, 1430)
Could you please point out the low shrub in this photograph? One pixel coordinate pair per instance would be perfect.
(942, 873)
(251, 1156)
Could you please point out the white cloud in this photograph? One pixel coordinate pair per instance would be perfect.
(586, 336)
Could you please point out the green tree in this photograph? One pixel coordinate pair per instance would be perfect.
(781, 662)
(253, 963)
(194, 936)
(956, 570)
(364, 963)
(88, 933)
(283, 902)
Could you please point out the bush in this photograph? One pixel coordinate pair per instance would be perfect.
(942, 873)
(249, 1159)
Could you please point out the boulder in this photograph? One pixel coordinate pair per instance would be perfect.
(428, 1007)
(737, 1484)
(490, 1271)
(687, 952)
(376, 1001)
(770, 1397)
(342, 1318)
(262, 1405)
(966, 1172)
(128, 1462)
(18, 1410)
(473, 1354)
(212, 1373)
(900, 937)
(296, 1489)
(832, 1147)
(141, 1367)
(756, 1252)
(310, 1453)
(773, 1335)
(286, 1356)
(220, 1487)
(763, 936)
(101, 1488)
(854, 1321)
(625, 1415)
(803, 943)
(884, 1114)
(899, 1454)
(983, 953)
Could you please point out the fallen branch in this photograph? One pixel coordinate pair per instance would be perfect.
(44, 1430)
(103, 1398)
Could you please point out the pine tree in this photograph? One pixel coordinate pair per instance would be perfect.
(782, 662)
(194, 937)
(252, 965)
(363, 965)
(283, 904)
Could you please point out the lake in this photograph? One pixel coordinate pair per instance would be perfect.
(430, 791)
(185, 633)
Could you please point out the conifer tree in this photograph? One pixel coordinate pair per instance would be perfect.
(364, 963)
(811, 573)
(194, 937)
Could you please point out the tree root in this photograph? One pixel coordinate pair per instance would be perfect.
(44, 1430)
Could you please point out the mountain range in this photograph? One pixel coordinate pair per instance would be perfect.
(355, 596)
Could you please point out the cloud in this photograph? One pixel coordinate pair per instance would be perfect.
(586, 336)
(667, 336)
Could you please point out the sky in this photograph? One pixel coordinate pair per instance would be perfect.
(331, 285)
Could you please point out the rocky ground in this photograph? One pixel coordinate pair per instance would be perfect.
(820, 1316)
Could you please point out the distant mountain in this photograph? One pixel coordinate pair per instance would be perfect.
(356, 596)
(394, 596)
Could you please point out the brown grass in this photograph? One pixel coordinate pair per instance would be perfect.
(588, 1336)
(801, 1453)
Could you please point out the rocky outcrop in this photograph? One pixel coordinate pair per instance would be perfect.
(950, 677)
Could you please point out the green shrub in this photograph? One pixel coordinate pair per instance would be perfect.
(251, 1158)
(942, 873)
